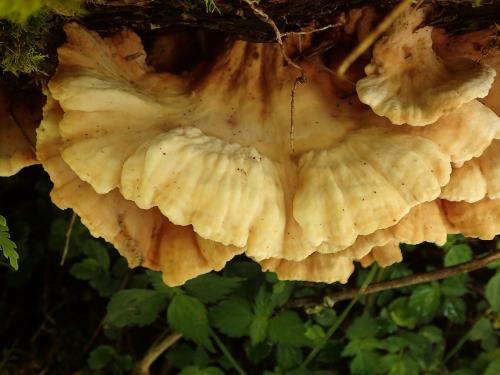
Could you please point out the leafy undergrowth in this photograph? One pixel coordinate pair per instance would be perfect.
(95, 316)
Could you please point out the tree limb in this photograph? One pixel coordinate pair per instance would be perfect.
(330, 298)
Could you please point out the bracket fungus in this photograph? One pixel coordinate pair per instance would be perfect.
(17, 136)
(181, 172)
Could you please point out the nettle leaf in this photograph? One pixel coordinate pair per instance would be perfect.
(362, 327)
(263, 310)
(135, 307)
(364, 363)
(7, 246)
(458, 254)
(232, 317)
(210, 287)
(425, 300)
(188, 316)
(101, 356)
(287, 328)
(493, 292)
(288, 357)
(454, 309)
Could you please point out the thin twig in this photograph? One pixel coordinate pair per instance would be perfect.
(401, 282)
(279, 36)
(68, 238)
(373, 36)
(156, 350)
(340, 319)
(311, 31)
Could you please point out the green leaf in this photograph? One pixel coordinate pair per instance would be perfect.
(258, 352)
(210, 287)
(392, 344)
(483, 330)
(287, 329)
(493, 368)
(493, 292)
(181, 355)
(124, 362)
(191, 370)
(188, 316)
(288, 357)
(325, 317)
(101, 356)
(432, 333)
(315, 333)
(96, 250)
(7, 246)
(357, 346)
(454, 286)
(400, 313)
(404, 365)
(362, 327)
(282, 290)
(263, 310)
(134, 307)
(156, 281)
(86, 270)
(424, 300)
(454, 309)
(364, 363)
(232, 317)
(457, 254)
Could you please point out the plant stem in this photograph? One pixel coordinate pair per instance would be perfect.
(457, 346)
(68, 238)
(227, 354)
(340, 319)
(401, 282)
(157, 349)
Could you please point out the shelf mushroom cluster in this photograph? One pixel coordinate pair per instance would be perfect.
(183, 172)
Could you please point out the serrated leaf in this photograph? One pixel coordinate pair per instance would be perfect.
(315, 334)
(325, 317)
(156, 281)
(134, 307)
(282, 290)
(493, 292)
(288, 357)
(454, 309)
(364, 363)
(425, 300)
(357, 346)
(392, 344)
(457, 254)
(404, 365)
(263, 310)
(188, 316)
(287, 329)
(210, 287)
(7, 246)
(258, 352)
(232, 317)
(101, 356)
(362, 327)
